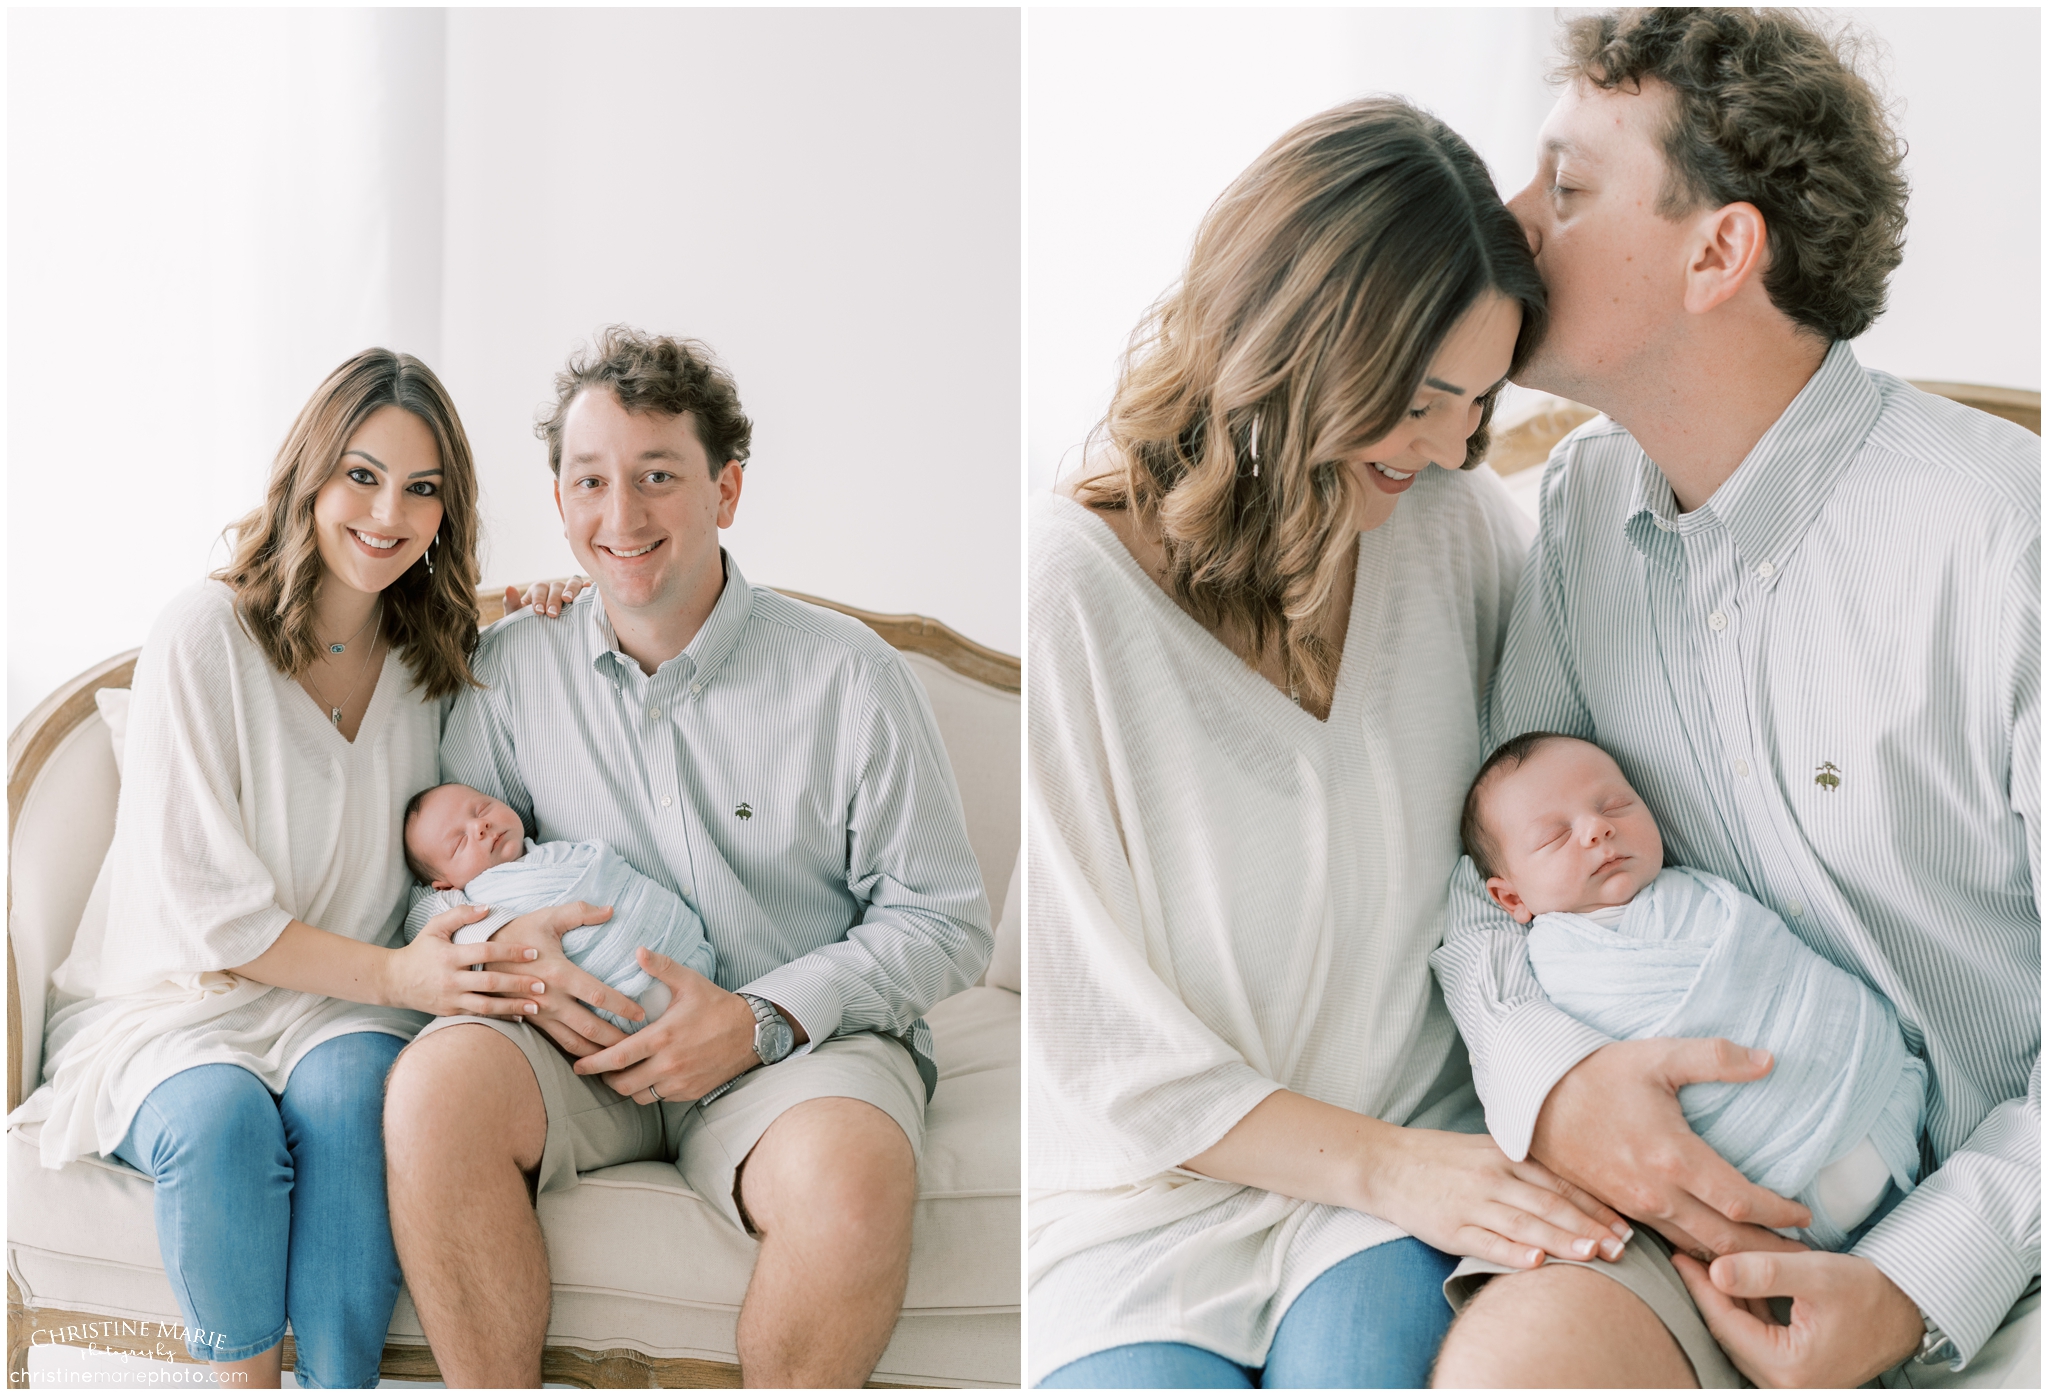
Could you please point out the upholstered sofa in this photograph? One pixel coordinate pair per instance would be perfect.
(82, 1261)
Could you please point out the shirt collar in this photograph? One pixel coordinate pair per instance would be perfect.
(701, 658)
(1781, 485)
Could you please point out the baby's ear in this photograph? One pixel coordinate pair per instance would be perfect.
(1508, 899)
(439, 886)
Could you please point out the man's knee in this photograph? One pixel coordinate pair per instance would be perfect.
(463, 1091)
(833, 1163)
(1561, 1326)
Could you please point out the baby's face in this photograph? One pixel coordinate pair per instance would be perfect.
(1572, 834)
(459, 832)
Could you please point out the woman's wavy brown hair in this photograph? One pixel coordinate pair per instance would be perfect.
(1321, 285)
(429, 618)
(1770, 112)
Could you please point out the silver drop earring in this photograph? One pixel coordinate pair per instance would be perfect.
(1255, 448)
(430, 552)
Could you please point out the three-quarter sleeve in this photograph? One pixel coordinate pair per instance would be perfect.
(189, 893)
(1126, 1081)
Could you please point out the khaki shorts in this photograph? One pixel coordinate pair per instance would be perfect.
(2011, 1357)
(592, 1126)
(1645, 1270)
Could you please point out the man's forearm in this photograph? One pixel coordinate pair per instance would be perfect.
(1520, 1044)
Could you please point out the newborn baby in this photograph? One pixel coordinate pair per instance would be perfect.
(472, 850)
(1636, 949)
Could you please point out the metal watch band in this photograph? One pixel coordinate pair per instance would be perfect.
(770, 1024)
(1936, 1346)
(763, 1011)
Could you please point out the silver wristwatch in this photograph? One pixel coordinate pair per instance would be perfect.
(773, 1040)
(773, 1036)
(1936, 1347)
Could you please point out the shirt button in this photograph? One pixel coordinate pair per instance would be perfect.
(654, 712)
(665, 802)
(1717, 622)
(1661, 522)
(696, 688)
(1742, 769)
(1795, 909)
(1766, 571)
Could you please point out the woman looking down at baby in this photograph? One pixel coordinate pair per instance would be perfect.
(233, 999)
(1261, 627)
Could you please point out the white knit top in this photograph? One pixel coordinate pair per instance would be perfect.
(242, 808)
(1228, 897)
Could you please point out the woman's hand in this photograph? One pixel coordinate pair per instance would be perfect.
(574, 1028)
(1461, 1194)
(433, 973)
(546, 598)
(1458, 1192)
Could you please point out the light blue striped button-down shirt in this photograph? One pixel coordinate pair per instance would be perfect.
(783, 774)
(1826, 683)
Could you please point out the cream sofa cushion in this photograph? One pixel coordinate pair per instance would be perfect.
(638, 1259)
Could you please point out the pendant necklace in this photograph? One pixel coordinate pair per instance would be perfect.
(341, 645)
(334, 713)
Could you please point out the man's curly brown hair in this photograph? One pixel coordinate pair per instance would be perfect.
(1770, 112)
(654, 373)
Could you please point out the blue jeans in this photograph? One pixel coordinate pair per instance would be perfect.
(270, 1207)
(1373, 1320)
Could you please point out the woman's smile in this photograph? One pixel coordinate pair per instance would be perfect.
(1388, 480)
(375, 544)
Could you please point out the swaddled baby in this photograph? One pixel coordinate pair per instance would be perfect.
(473, 851)
(1636, 950)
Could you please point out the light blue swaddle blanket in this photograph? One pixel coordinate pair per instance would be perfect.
(643, 913)
(1695, 957)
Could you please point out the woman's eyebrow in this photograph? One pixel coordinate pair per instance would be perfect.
(359, 451)
(1442, 386)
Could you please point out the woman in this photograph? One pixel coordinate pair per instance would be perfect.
(1255, 687)
(230, 1006)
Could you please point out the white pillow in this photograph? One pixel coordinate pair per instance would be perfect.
(1006, 965)
(113, 705)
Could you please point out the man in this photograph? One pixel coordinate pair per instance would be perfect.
(776, 765)
(1769, 566)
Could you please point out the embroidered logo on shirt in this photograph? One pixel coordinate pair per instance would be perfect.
(1827, 777)
(745, 810)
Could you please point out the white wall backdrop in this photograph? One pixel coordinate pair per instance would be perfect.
(1139, 118)
(208, 210)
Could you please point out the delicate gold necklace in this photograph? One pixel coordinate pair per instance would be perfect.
(334, 713)
(340, 646)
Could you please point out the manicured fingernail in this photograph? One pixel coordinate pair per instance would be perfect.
(1611, 1248)
(1583, 1248)
(1758, 1056)
(533, 1008)
(1626, 1232)
(1535, 1258)
(539, 988)
(533, 954)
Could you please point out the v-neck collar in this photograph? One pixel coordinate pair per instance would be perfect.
(373, 709)
(1197, 634)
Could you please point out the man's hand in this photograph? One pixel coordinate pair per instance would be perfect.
(1848, 1321)
(704, 1039)
(574, 1028)
(1613, 1126)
